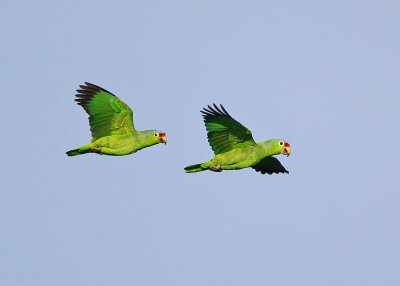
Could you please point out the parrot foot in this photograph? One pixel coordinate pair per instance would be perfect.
(96, 149)
(215, 168)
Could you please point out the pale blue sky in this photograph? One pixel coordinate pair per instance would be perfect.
(323, 75)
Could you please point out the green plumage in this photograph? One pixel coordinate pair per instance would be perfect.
(234, 146)
(111, 124)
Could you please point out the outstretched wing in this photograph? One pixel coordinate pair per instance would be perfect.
(269, 165)
(224, 132)
(108, 115)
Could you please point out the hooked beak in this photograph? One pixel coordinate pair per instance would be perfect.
(286, 151)
(163, 139)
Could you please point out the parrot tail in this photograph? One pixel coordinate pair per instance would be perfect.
(194, 168)
(78, 151)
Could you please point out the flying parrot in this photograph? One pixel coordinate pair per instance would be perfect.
(111, 124)
(234, 146)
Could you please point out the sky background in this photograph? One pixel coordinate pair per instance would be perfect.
(322, 75)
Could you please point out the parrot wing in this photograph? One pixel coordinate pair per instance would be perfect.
(108, 115)
(269, 165)
(225, 133)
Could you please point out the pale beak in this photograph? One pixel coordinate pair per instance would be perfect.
(163, 139)
(286, 151)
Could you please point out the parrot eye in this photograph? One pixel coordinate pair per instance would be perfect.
(281, 143)
(156, 134)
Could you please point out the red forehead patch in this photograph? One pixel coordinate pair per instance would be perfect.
(161, 134)
(287, 144)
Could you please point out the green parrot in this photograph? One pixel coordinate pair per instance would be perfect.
(111, 124)
(234, 146)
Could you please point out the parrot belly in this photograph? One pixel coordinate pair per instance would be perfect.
(236, 159)
(114, 145)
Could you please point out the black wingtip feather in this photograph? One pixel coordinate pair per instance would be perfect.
(91, 89)
(216, 107)
(214, 111)
(87, 92)
(224, 110)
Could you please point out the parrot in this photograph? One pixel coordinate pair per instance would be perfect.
(111, 125)
(234, 146)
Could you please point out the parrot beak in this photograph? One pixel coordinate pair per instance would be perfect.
(286, 151)
(163, 139)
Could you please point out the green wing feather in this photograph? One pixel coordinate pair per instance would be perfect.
(108, 115)
(224, 132)
(269, 165)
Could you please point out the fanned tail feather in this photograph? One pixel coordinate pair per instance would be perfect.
(194, 168)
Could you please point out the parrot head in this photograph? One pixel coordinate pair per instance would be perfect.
(280, 147)
(156, 136)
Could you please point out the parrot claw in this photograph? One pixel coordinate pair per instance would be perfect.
(215, 168)
(96, 149)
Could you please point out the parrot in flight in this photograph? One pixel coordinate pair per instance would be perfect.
(234, 146)
(111, 124)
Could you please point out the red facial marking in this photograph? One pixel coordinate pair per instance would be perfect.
(161, 134)
(287, 144)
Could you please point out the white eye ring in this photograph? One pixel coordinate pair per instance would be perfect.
(156, 134)
(281, 143)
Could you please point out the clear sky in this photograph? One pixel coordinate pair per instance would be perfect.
(322, 75)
